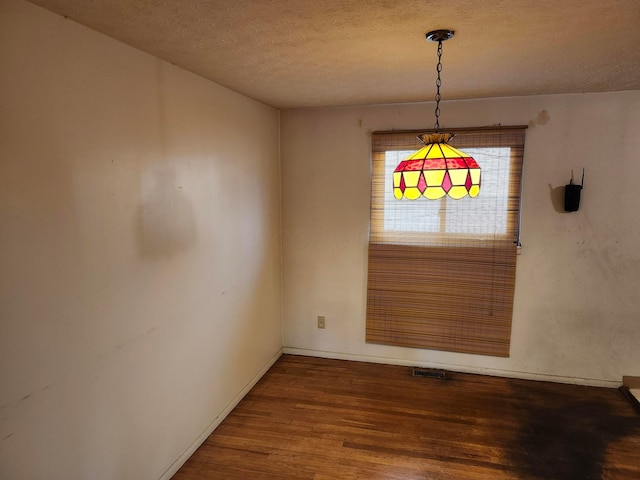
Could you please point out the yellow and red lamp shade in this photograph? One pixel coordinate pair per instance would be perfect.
(436, 170)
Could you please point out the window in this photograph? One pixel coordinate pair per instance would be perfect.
(442, 272)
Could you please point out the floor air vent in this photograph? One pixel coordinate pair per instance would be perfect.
(429, 373)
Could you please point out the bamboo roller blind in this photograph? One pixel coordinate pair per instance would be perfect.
(442, 273)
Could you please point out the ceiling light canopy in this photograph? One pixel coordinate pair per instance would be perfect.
(437, 169)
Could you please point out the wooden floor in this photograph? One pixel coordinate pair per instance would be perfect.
(317, 419)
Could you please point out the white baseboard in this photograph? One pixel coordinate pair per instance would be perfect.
(592, 382)
(175, 466)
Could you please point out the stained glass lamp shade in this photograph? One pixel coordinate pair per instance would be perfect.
(436, 170)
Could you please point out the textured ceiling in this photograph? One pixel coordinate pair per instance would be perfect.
(307, 53)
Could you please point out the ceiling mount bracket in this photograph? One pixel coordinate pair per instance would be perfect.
(440, 35)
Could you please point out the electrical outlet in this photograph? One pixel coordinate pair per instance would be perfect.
(321, 321)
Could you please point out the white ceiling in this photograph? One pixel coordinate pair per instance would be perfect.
(308, 53)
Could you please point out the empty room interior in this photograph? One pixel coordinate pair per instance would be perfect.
(222, 255)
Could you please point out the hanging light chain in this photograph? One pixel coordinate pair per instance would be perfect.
(438, 84)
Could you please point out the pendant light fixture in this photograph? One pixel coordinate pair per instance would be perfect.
(437, 169)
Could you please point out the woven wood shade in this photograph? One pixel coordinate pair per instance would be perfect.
(442, 273)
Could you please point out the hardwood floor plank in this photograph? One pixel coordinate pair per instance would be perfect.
(320, 419)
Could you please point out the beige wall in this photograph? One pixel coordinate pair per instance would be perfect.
(139, 252)
(577, 305)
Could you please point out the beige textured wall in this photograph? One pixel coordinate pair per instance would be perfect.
(139, 252)
(576, 306)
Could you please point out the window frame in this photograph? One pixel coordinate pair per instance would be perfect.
(378, 234)
(411, 275)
